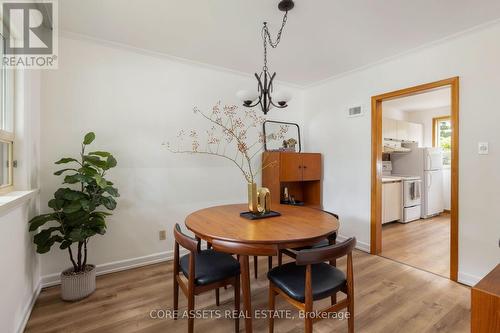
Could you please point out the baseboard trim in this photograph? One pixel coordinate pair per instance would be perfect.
(365, 247)
(28, 308)
(116, 266)
(468, 279)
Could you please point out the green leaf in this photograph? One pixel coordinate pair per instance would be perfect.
(74, 206)
(43, 236)
(66, 160)
(64, 244)
(44, 248)
(72, 179)
(56, 204)
(40, 220)
(101, 182)
(111, 162)
(101, 214)
(95, 161)
(108, 202)
(112, 191)
(88, 171)
(100, 153)
(77, 235)
(73, 195)
(77, 178)
(59, 172)
(89, 137)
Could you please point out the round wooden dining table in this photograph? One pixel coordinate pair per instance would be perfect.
(223, 227)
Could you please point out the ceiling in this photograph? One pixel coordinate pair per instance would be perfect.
(323, 38)
(429, 100)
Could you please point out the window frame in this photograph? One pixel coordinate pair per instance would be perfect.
(7, 136)
(435, 131)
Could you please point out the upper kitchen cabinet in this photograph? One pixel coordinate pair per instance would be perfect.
(389, 128)
(402, 130)
(415, 133)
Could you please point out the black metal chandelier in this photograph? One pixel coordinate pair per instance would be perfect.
(265, 79)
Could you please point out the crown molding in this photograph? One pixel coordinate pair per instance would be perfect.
(126, 47)
(417, 49)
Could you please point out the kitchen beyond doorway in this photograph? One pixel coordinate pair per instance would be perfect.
(409, 143)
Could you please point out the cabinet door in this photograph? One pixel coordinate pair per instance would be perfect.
(389, 128)
(392, 201)
(402, 130)
(311, 166)
(416, 133)
(290, 167)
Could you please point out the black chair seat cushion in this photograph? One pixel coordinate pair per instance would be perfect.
(211, 266)
(291, 278)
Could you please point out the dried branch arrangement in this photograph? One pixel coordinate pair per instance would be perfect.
(233, 135)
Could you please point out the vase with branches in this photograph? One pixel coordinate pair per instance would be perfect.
(233, 135)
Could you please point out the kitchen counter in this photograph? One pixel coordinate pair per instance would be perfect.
(391, 179)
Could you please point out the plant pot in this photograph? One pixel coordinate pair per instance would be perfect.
(76, 286)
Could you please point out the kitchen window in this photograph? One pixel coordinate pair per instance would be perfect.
(442, 137)
(6, 124)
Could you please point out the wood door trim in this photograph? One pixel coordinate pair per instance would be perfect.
(376, 165)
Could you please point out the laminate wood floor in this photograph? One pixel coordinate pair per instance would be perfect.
(389, 297)
(424, 243)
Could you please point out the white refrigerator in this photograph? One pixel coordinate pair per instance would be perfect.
(426, 163)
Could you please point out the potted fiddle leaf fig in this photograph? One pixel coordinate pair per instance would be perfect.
(79, 213)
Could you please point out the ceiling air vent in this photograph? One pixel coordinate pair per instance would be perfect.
(355, 111)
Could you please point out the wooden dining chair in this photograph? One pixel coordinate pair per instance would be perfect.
(325, 242)
(310, 279)
(205, 270)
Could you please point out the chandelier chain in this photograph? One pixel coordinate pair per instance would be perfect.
(266, 37)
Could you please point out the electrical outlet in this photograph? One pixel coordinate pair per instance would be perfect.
(163, 234)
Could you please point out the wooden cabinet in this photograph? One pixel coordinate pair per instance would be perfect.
(300, 173)
(300, 167)
(485, 304)
(391, 201)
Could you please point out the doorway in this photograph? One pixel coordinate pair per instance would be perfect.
(444, 134)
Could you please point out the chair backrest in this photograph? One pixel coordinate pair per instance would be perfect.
(315, 256)
(184, 240)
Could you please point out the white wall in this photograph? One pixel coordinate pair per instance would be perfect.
(134, 101)
(345, 142)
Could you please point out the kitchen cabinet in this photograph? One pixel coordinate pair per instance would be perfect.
(402, 130)
(389, 128)
(391, 201)
(300, 173)
(415, 133)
